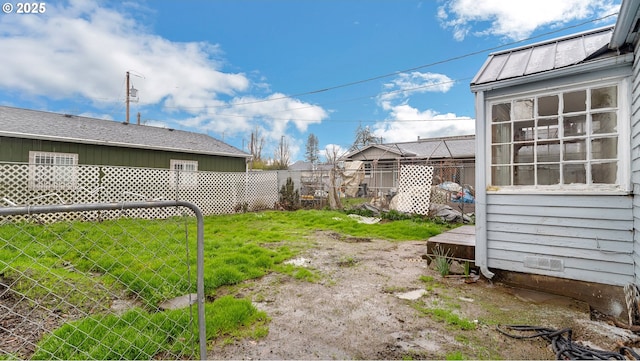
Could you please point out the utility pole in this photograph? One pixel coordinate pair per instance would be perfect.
(127, 99)
(131, 93)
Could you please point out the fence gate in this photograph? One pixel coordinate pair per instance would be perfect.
(102, 287)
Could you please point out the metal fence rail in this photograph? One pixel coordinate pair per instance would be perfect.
(107, 290)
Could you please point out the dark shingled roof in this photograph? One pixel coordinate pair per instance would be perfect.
(33, 124)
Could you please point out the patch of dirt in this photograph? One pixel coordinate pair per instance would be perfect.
(355, 312)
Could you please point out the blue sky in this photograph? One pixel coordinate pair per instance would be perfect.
(284, 68)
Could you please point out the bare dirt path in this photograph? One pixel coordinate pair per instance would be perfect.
(359, 310)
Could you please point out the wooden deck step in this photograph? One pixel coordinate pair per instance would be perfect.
(459, 243)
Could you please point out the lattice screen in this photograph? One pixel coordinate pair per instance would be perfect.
(212, 192)
(414, 189)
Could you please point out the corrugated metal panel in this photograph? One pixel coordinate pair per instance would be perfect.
(545, 56)
(542, 58)
(516, 64)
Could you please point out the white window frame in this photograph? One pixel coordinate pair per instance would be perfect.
(53, 170)
(623, 181)
(183, 173)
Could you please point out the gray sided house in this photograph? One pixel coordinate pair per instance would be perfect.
(558, 164)
(37, 137)
(452, 157)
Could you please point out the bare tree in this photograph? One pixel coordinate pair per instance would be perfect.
(364, 137)
(256, 144)
(282, 154)
(333, 155)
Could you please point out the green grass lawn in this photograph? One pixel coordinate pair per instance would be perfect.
(146, 260)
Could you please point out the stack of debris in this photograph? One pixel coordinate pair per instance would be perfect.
(436, 210)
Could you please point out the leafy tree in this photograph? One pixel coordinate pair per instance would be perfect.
(311, 154)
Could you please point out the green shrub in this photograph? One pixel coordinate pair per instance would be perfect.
(289, 196)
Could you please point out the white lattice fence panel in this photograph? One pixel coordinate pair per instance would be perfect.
(212, 192)
(262, 190)
(414, 189)
(216, 192)
(19, 186)
(126, 184)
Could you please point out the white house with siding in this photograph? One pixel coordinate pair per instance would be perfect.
(558, 162)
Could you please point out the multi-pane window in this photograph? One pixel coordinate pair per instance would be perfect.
(53, 171)
(561, 138)
(184, 172)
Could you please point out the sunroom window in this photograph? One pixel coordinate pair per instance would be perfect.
(561, 138)
(53, 171)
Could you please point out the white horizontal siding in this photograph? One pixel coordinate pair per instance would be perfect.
(592, 235)
(585, 229)
(574, 243)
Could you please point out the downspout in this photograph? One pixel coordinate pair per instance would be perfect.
(481, 187)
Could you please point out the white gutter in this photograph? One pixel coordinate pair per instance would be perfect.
(481, 188)
(624, 24)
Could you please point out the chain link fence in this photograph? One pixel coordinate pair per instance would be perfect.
(86, 288)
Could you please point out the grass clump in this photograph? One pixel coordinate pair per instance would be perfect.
(139, 335)
(441, 260)
(455, 355)
(447, 316)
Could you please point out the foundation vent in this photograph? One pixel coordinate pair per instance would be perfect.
(545, 263)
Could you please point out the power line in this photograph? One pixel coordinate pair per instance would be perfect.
(348, 84)
(439, 62)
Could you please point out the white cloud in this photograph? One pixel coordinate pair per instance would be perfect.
(82, 50)
(405, 123)
(517, 19)
(276, 112)
(332, 152)
(406, 84)
(408, 123)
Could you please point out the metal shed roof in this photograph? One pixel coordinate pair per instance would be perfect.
(33, 124)
(455, 147)
(544, 56)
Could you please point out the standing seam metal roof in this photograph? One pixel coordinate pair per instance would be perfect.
(544, 56)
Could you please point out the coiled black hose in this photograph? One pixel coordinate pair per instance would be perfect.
(563, 345)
